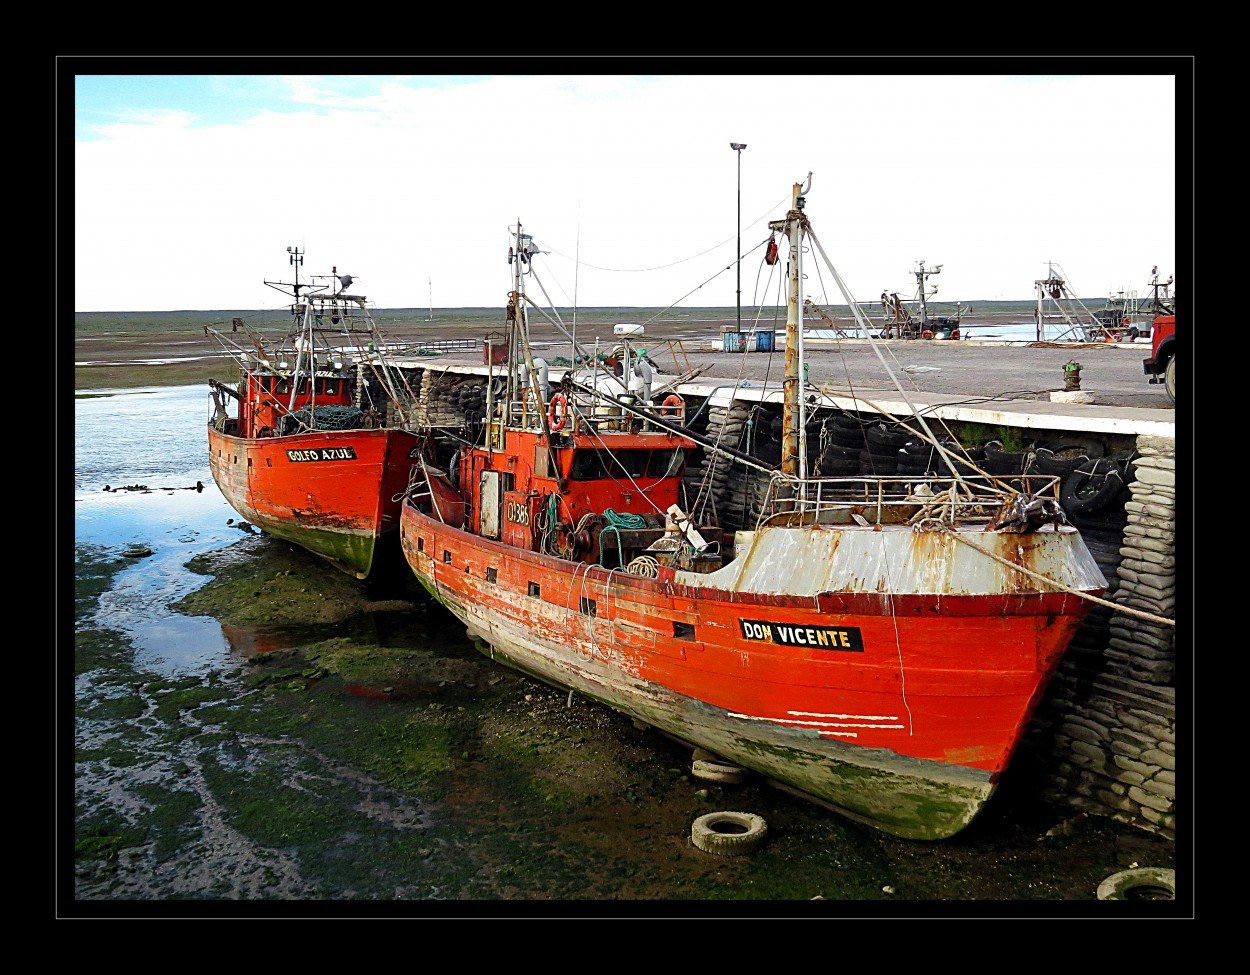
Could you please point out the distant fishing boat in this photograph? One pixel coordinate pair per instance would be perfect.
(312, 451)
(1060, 316)
(915, 322)
(874, 644)
(1160, 365)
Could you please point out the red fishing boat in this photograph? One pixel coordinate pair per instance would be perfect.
(874, 644)
(1161, 364)
(315, 451)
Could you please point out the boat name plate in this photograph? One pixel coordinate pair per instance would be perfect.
(306, 454)
(821, 637)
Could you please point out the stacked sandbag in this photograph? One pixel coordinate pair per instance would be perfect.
(439, 400)
(1107, 745)
(1140, 647)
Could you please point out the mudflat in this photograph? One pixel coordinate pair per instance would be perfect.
(973, 370)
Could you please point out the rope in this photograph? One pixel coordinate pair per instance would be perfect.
(898, 640)
(626, 520)
(550, 523)
(617, 521)
(644, 565)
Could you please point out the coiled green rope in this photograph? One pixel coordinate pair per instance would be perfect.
(617, 521)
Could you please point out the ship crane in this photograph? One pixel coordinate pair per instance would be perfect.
(810, 308)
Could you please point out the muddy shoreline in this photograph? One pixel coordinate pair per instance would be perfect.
(358, 747)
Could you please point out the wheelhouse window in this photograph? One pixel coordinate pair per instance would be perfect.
(594, 465)
(587, 465)
(666, 463)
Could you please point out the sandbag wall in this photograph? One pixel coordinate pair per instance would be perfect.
(1104, 736)
(446, 399)
(1142, 648)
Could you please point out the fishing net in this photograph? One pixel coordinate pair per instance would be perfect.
(330, 417)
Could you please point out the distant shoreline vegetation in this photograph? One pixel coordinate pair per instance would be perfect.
(111, 322)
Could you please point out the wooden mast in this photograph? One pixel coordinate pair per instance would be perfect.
(793, 452)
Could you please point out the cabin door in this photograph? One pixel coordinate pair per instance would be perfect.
(489, 500)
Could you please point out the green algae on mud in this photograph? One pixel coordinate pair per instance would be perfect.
(375, 754)
(282, 585)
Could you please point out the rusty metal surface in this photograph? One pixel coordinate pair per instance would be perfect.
(896, 559)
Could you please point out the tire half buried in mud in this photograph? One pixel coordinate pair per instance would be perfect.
(715, 770)
(1139, 884)
(729, 833)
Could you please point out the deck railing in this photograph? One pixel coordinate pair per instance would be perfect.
(899, 500)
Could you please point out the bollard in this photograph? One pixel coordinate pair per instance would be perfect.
(1071, 376)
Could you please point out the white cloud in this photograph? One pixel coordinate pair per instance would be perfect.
(400, 181)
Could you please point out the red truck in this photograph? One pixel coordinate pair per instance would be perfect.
(1161, 366)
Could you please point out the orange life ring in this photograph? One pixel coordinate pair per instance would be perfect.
(556, 418)
(672, 405)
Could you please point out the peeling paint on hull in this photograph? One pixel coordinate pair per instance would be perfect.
(899, 711)
(339, 507)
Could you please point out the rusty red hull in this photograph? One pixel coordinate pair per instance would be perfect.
(897, 710)
(334, 493)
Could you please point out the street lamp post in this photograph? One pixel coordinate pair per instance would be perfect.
(738, 147)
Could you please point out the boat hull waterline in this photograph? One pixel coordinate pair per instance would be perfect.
(897, 711)
(334, 493)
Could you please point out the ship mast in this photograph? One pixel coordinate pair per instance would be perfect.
(517, 257)
(793, 447)
(922, 275)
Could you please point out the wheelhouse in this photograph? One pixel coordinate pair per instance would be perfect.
(269, 396)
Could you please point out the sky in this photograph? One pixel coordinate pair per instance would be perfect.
(189, 188)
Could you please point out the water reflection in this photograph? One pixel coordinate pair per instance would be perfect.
(154, 437)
